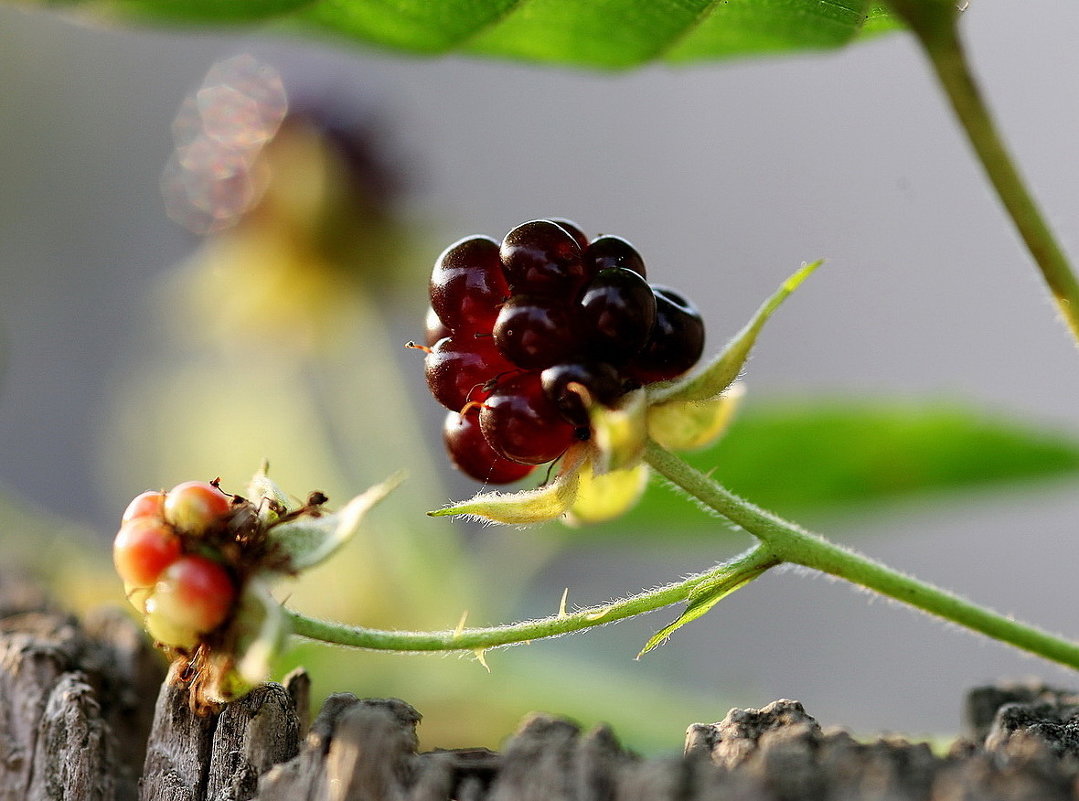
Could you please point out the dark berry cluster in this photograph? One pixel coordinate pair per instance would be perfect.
(514, 330)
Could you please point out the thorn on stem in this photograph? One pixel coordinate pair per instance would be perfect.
(479, 652)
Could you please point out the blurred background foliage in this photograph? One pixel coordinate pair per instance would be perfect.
(282, 336)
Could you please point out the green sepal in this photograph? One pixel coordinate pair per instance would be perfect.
(310, 539)
(548, 502)
(260, 628)
(692, 425)
(607, 496)
(269, 499)
(619, 434)
(264, 628)
(711, 381)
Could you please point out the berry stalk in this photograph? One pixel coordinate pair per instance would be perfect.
(791, 543)
(734, 573)
(780, 541)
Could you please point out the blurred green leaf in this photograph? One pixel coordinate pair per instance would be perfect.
(592, 33)
(819, 456)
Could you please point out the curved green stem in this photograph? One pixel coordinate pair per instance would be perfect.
(780, 541)
(791, 543)
(935, 24)
(735, 573)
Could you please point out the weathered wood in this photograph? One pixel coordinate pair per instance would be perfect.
(361, 750)
(76, 711)
(126, 672)
(366, 750)
(73, 755)
(217, 756)
(72, 721)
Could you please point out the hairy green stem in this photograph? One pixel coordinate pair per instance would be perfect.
(779, 541)
(735, 573)
(935, 24)
(791, 543)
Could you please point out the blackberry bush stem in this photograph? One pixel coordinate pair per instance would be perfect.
(734, 573)
(935, 25)
(779, 541)
(791, 543)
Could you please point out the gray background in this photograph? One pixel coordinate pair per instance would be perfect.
(726, 176)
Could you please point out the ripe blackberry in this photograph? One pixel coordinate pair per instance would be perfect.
(473, 456)
(467, 285)
(608, 251)
(542, 258)
(522, 424)
(516, 329)
(675, 342)
(458, 367)
(618, 310)
(535, 332)
(600, 379)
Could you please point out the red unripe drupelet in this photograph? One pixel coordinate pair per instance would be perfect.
(194, 505)
(193, 596)
(434, 328)
(146, 504)
(143, 548)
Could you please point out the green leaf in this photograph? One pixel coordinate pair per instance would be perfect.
(549, 501)
(592, 33)
(817, 456)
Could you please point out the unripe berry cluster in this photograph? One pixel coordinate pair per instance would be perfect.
(172, 569)
(516, 329)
